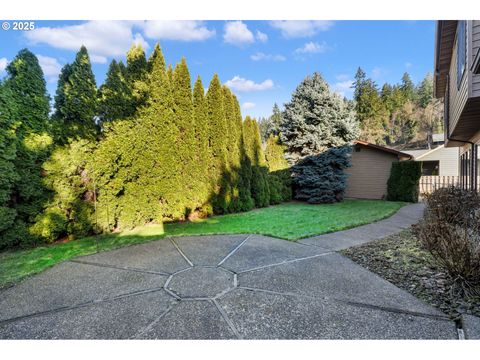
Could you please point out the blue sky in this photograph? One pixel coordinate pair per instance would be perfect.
(262, 61)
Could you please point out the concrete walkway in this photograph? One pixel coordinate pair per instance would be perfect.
(220, 287)
(402, 219)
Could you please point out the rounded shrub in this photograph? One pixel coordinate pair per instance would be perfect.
(404, 180)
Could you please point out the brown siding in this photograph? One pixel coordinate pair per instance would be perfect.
(458, 96)
(369, 173)
(475, 47)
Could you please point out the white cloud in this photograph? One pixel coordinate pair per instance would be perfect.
(262, 37)
(102, 38)
(3, 64)
(243, 85)
(237, 33)
(301, 28)
(408, 65)
(312, 48)
(248, 105)
(50, 66)
(189, 30)
(343, 88)
(267, 57)
(378, 72)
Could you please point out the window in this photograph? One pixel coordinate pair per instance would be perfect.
(430, 168)
(461, 50)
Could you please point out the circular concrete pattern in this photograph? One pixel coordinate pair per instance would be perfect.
(217, 287)
(201, 282)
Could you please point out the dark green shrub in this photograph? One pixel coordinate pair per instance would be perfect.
(403, 182)
(50, 225)
(280, 185)
(259, 186)
(450, 230)
(321, 178)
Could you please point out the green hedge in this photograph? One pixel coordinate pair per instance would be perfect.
(404, 180)
(280, 185)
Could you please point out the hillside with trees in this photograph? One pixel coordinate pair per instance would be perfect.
(401, 115)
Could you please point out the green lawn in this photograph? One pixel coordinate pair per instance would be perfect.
(291, 221)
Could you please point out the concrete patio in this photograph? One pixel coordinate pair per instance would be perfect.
(222, 287)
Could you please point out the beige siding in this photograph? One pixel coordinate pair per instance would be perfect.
(448, 158)
(458, 96)
(369, 173)
(475, 47)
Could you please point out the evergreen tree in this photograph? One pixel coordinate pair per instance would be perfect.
(185, 145)
(26, 82)
(217, 128)
(170, 73)
(8, 154)
(259, 181)
(136, 63)
(245, 199)
(69, 212)
(115, 95)
(316, 119)
(157, 122)
(425, 91)
(230, 190)
(275, 154)
(321, 178)
(407, 87)
(27, 103)
(370, 111)
(359, 83)
(202, 149)
(76, 99)
(271, 125)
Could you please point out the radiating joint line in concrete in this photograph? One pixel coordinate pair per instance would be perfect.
(152, 324)
(286, 262)
(79, 305)
(351, 303)
(227, 319)
(116, 267)
(181, 252)
(234, 250)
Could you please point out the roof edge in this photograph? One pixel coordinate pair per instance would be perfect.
(383, 148)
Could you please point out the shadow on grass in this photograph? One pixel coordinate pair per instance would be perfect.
(290, 221)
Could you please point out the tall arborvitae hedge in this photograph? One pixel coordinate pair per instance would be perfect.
(25, 145)
(279, 177)
(144, 148)
(76, 100)
(259, 182)
(8, 154)
(217, 128)
(275, 154)
(115, 95)
(184, 119)
(202, 151)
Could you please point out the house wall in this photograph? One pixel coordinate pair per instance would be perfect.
(475, 29)
(369, 173)
(448, 158)
(458, 95)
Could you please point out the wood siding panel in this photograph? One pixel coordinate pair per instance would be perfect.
(458, 96)
(475, 49)
(369, 174)
(448, 158)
